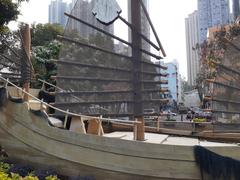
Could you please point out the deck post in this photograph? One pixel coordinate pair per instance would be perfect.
(137, 67)
(66, 119)
(158, 124)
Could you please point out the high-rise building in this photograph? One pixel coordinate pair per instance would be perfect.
(192, 43)
(83, 10)
(235, 9)
(173, 80)
(212, 13)
(56, 12)
(145, 28)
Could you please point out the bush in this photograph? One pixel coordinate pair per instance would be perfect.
(199, 120)
(20, 172)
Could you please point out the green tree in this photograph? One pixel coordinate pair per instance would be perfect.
(43, 34)
(9, 11)
(44, 48)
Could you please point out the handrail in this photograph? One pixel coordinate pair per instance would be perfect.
(65, 112)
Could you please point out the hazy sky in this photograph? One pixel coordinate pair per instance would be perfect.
(167, 16)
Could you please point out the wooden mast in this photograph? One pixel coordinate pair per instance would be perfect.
(137, 67)
(26, 38)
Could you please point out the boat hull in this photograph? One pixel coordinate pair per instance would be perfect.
(28, 138)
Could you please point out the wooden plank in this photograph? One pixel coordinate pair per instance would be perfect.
(147, 160)
(95, 127)
(77, 125)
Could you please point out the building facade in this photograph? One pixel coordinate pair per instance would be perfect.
(192, 47)
(83, 10)
(235, 9)
(212, 13)
(173, 82)
(56, 11)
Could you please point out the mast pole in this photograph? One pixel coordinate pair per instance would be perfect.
(26, 37)
(137, 67)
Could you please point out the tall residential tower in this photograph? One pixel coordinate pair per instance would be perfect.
(212, 13)
(56, 12)
(192, 42)
(235, 9)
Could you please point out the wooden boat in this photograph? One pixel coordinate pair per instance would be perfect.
(28, 134)
(37, 139)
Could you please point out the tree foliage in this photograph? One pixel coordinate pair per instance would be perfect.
(9, 11)
(43, 34)
(45, 47)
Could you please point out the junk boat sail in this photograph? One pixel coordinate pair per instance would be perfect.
(76, 144)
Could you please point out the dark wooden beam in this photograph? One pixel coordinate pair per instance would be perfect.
(143, 36)
(8, 66)
(222, 84)
(113, 36)
(226, 67)
(110, 92)
(155, 90)
(10, 74)
(94, 92)
(11, 49)
(91, 66)
(106, 102)
(154, 65)
(153, 29)
(91, 46)
(104, 67)
(225, 111)
(225, 101)
(98, 29)
(10, 60)
(90, 79)
(154, 82)
(91, 102)
(151, 54)
(76, 93)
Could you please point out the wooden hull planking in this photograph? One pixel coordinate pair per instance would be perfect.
(27, 137)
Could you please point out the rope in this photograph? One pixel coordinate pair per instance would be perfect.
(66, 112)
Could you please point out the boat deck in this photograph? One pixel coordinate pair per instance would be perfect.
(168, 139)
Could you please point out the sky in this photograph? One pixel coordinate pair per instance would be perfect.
(168, 17)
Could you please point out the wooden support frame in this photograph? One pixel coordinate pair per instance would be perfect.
(95, 127)
(17, 63)
(77, 125)
(98, 29)
(152, 26)
(11, 67)
(143, 37)
(222, 84)
(225, 67)
(91, 46)
(90, 79)
(113, 36)
(110, 92)
(106, 68)
(66, 119)
(106, 102)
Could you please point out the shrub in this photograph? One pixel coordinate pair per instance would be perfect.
(199, 120)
